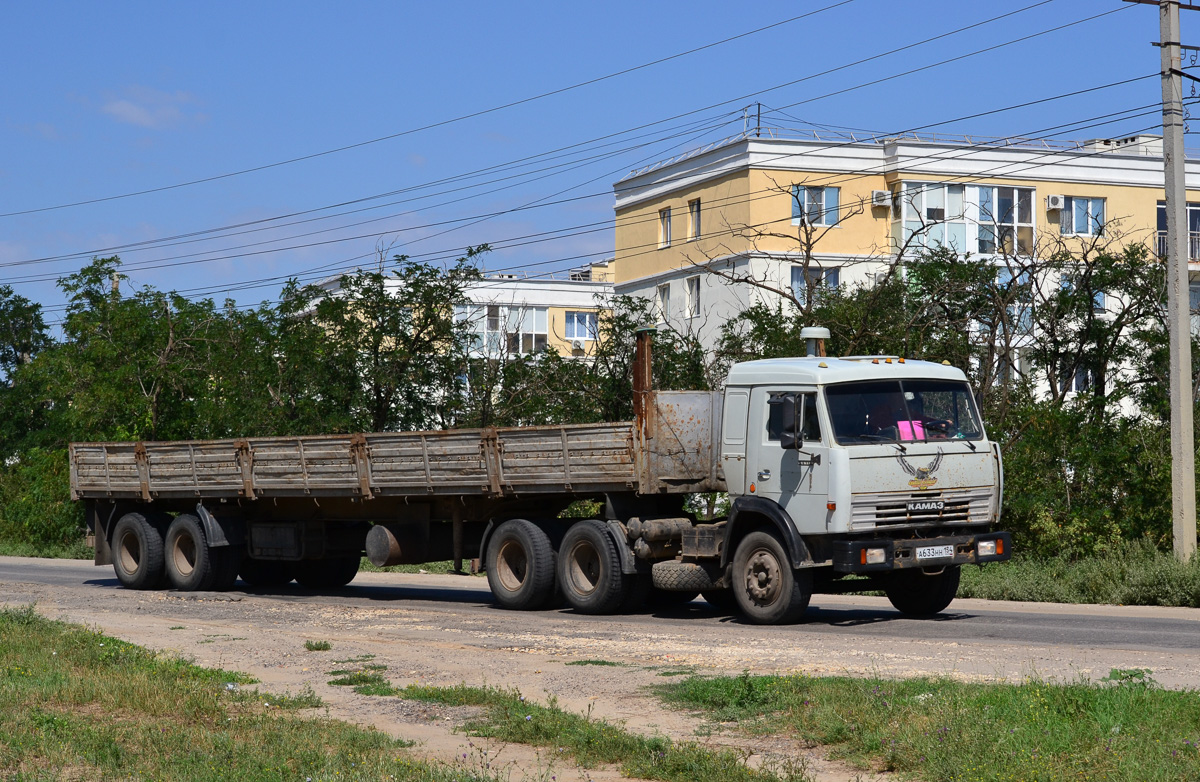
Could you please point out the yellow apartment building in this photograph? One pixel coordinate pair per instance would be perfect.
(705, 234)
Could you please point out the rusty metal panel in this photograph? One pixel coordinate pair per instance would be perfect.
(680, 452)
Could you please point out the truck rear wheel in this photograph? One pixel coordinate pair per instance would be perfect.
(768, 591)
(191, 564)
(917, 593)
(589, 569)
(520, 565)
(266, 572)
(137, 546)
(328, 573)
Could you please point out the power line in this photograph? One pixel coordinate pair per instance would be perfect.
(432, 125)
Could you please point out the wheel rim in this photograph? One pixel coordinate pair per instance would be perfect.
(512, 565)
(764, 577)
(129, 552)
(583, 568)
(183, 555)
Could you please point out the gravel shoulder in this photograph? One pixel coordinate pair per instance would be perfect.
(451, 634)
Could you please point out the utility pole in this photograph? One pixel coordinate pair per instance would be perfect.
(1183, 445)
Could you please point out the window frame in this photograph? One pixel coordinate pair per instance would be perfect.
(691, 302)
(571, 325)
(1096, 227)
(803, 206)
(693, 220)
(664, 227)
(662, 302)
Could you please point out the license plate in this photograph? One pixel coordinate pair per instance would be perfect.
(935, 552)
(925, 506)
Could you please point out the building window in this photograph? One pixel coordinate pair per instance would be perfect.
(1005, 220)
(1082, 217)
(662, 302)
(693, 219)
(693, 297)
(1068, 283)
(814, 205)
(581, 325)
(808, 284)
(526, 329)
(1016, 289)
(932, 214)
(664, 227)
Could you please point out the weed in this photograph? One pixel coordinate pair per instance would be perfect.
(1122, 728)
(318, 646)
(596, 662)
(77, 704)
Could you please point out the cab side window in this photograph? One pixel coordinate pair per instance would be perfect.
(806, 406)
(811, 429)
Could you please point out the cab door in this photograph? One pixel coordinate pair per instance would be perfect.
(798, 480)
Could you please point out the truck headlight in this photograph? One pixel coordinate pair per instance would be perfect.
(874, 556)
(986, 548)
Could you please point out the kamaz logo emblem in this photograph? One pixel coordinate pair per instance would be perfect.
(922, 476)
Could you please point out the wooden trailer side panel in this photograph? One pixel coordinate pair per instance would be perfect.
(490, 462)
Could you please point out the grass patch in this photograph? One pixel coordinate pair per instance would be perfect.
(318, 646)
(77, 704)
(1122, 728)
(77, 549)
(177, 627)
(445, 566)
(1134, 573)
(510, 717)
(597, 662)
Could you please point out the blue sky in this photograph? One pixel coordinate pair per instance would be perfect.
(102, 100)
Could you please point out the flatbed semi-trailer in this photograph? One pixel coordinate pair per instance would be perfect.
(814, 496)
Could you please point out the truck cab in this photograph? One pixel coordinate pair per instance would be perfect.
(860, 465)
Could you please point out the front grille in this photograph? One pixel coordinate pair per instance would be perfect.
(890, 509)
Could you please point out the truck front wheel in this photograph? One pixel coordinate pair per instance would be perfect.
(768, 591)
(589, 569)
(520, 565)
(917, 593)
(192, 565)
(137, 546)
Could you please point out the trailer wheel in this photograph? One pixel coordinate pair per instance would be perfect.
(917, 593)
(767, 589)
(266, 572)
(191, 564)
(589, 569)
(520, 565)
(327, 573)
(137, 546)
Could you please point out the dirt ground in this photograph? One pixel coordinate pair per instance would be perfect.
(458, 637)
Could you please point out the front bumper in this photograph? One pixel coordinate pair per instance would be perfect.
(872, 556)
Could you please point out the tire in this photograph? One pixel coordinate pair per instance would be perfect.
(767, 590)
(917, 593)
(328, 573)
(589, 569)
(520, 565)
(266, 572)
(191, 564)
(683, 577)
(137, 552)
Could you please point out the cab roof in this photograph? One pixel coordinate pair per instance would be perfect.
(809, 371)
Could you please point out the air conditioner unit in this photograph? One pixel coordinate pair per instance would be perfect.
(881, 199)
(577, 344)
(1054, 202)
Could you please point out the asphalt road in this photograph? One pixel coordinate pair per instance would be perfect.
(841, 633)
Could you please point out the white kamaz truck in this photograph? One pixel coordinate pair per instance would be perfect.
(843, 475)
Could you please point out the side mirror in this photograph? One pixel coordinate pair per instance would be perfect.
(789, 435)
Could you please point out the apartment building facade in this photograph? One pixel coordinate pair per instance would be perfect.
(706, 234)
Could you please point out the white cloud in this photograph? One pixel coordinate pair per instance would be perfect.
(154, 109)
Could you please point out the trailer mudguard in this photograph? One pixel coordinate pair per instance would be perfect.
(221, 531)
(746, 510)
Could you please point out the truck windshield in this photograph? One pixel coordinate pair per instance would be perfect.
(902, 411)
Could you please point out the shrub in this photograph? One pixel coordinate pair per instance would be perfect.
(35, 502)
